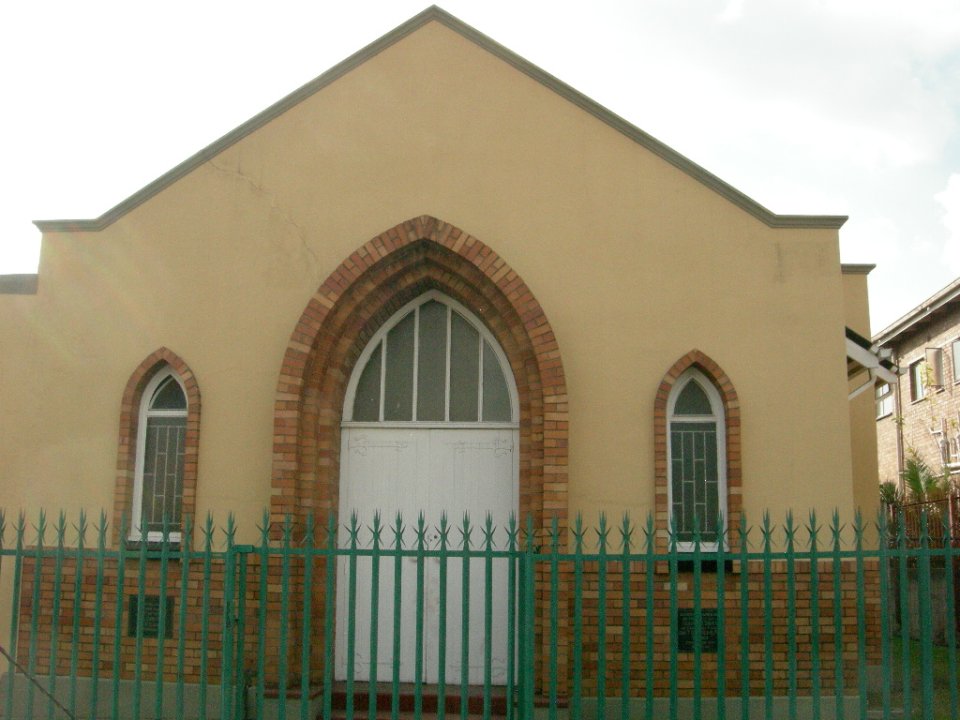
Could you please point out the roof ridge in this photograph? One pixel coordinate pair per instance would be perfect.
(437, 14)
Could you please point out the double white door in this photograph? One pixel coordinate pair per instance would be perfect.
(432, 471)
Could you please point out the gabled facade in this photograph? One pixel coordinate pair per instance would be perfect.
(436, 261)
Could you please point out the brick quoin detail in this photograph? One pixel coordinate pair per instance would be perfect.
(129, 419)
(731, 411)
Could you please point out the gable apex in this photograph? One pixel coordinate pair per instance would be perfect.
(437, 14)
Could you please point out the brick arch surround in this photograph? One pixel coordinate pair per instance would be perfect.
(731, 410)
(129, 418)
(364, 291)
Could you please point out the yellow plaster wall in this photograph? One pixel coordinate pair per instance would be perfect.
(634, 262)
(863, 431)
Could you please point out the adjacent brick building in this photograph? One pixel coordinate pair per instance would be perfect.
(922, 412)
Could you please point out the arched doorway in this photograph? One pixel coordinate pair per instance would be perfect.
(337, 324)
(430, 426)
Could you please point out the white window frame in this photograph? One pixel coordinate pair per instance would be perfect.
(955, 352)
(145, 413)
(718, 417)
(379, 339)
(884, 401)
(918, 379)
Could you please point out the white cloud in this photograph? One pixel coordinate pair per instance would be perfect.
(949, 199)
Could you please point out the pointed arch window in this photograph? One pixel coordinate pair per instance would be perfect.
(161, 446)
(432, 362)
(697, 483)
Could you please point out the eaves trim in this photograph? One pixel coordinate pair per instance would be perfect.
(436, 14)
(923, 311)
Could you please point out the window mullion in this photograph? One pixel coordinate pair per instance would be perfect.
(480, 379)
(383, 375)
(416, 360)
(446, 379)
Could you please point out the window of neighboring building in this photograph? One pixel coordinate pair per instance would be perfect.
(918, 380)
(955, 351)
(884, 400)
(161, 440)
(696, 460)
(934, 374)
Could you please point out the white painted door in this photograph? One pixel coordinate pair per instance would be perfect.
(408, 470)
(430, 424)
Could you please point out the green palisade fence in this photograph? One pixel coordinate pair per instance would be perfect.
(811, 618)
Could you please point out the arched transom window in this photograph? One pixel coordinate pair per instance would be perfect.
(697, 460)
(432, 362)
(161, 440)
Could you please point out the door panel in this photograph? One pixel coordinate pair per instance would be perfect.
(431, 471)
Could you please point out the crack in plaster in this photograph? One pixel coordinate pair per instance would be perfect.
(274, 206)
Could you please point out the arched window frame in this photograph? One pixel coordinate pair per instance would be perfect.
(380, 337)
(147, 413)
(129, 430)
(716, 416)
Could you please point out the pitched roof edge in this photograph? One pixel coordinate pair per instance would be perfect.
(857, 268)
(19, 284)
(929, 306)
(434, 13)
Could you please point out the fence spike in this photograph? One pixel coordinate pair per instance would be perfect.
(602, 532)
(578, 532)
(465, 531)
(626, 531)
(398, 532)
(488, 531)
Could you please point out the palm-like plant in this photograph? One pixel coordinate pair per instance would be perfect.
(922, 484)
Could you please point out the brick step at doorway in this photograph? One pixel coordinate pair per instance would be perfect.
(407, 698)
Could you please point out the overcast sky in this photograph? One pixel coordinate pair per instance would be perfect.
(847, 107)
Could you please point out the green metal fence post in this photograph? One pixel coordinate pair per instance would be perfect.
(79, 554)
(306, 615)
(951, 629)
(858, 530)
(420, 601)
(60, 530)
(442, 622)
(118, 619)
(528, 628)
(20, 530)
(465, 532)
(790, 532)
(554, 614)
(513, 530)
(377, 530)
(602, 534)
(397, 616)
(625, 534)
(577, 696)
(488, 617)
(925, 610)
(744, 618)
(205, 612)
(329, 601)
(41, 529)
(185, 556)
(766, 531)
(838, 675)
(162, 621)
(674, 621)
(264, 557)
(883, 539)
(227, 652)
(697, 617)
(903, 582)
(649, 572)
(813, 530)
(283, 668)
(721, 618)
